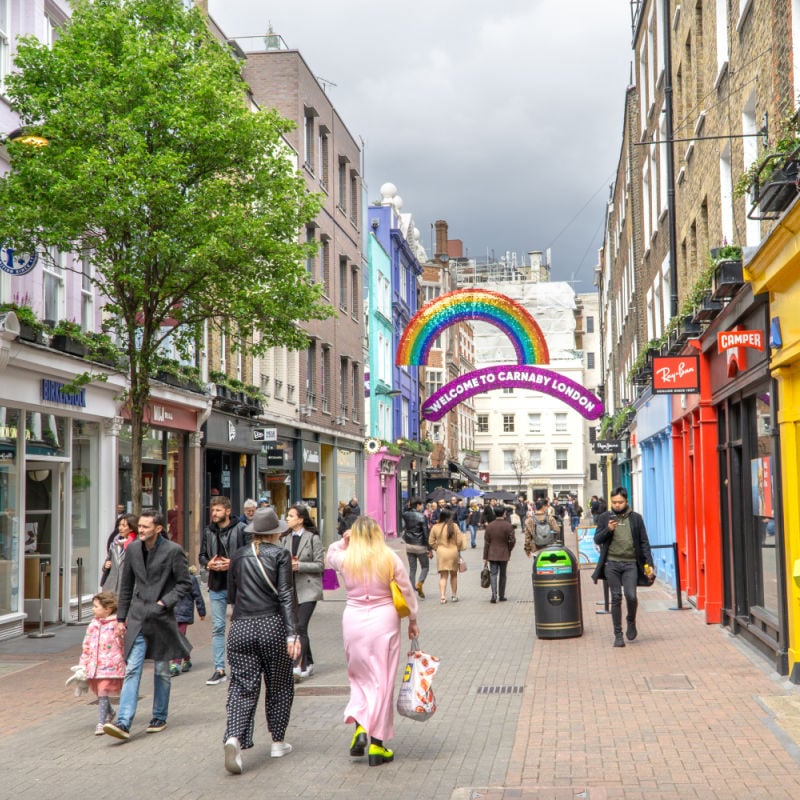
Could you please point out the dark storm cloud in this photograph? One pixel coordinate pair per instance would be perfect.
(503, 119)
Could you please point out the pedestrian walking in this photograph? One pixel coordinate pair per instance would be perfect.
(222, 537)
(304, 544)
(127, 530)
(415, 536)
(262, 641)
(541, 529)
(625, 561)
(371, 630)
(155, 576)
(498, 542)
(184, 616)
(102, 656)
(473, 521)
(446, 540)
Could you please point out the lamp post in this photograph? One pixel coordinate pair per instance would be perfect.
(387, 392)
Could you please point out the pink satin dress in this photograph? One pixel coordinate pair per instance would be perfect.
(371, 630)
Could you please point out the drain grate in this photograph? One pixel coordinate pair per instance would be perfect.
(500, 689)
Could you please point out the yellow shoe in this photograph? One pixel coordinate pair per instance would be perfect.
(418, 587)
(379, 755)
(359, 742)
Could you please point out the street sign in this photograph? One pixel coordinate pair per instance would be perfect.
(265, 434)
(602, 446)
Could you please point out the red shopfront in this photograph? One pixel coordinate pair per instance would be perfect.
(166, 466)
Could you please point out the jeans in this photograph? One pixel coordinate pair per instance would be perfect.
(574, 522)
(412, 566)
(219, 610)
(621, 577)
(473, 533)
(497, 577)
(462, 525)
(129, 695)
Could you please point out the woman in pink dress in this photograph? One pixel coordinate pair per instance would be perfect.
(371, 631)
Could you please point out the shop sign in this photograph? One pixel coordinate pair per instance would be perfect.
(676, 374)
(274, 458)
(484, 476)
(612, 446)
(53, 392)
(736, 338)
(265, 434)
(310, 457)
(17, 263)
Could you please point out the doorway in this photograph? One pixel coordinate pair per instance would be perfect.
(44, 541)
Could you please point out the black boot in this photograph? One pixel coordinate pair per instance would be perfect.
(618, 640)
(631, 631)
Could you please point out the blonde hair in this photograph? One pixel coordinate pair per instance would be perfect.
(367, 553)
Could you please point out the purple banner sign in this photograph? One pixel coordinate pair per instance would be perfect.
(521, 376)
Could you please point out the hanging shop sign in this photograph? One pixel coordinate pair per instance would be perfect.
(603, 446)
(676, 374)
(740, 338)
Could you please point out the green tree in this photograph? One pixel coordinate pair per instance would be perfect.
(186, 199)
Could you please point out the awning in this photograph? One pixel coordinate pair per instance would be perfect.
(471, 476)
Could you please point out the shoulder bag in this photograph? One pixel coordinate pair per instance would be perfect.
(398, 599)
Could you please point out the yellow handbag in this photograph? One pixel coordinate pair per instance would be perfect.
(397, 598)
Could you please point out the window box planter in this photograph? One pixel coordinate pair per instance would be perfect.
(66, 344)
(27, 333)
(688, 328)
(777, 193)
(707, 309)
(728, 279)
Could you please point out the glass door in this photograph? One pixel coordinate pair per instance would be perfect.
(43, 538)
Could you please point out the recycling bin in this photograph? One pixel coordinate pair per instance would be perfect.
(557, 593)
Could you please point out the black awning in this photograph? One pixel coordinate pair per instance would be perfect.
(471, 476)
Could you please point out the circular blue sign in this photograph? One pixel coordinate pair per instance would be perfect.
(17, 264)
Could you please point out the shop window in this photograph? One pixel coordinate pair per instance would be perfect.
(9, 510)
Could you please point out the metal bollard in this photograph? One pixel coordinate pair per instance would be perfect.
(79, 562)
(43, 565)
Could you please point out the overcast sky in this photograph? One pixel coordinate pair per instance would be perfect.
(504, 121)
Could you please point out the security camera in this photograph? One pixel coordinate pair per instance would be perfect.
(375, 223)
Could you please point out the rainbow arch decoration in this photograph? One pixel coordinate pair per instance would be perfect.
(472, 304)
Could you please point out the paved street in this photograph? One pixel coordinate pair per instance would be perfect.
(684, 712)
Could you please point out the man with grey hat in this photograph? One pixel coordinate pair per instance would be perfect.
(262, 641)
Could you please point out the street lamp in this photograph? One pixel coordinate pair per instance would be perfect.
(388, 392)
(25, 136)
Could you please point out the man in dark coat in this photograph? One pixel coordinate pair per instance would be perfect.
(155, 576)
(625, 559)
(498, 542)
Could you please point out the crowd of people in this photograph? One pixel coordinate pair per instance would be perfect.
(267, 573)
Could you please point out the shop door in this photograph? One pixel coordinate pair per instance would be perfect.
(44, 538)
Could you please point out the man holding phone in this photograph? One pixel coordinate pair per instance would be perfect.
(624, 556)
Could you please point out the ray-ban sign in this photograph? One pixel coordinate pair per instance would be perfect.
(676, 374)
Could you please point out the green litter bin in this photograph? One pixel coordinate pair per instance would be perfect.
(557, 593)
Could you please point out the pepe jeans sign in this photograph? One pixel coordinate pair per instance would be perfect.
(604, 446)
(676, 374)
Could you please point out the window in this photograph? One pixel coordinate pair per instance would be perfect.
(344, 385)
(311, 240)
(325, 376)
(535, 459)
(356, 294)
(433, 379)
(508, 460)
(483, 423)
(589, 324)
(561, 459)
(87, 294)
(308, 139)
(484, 465)
(291, 357)
(561, 423)
(357, 394)
(354, 197)
(325, 259)
(534, 423)
(342, 186)
(592, 435)
(590, 361)
(343, 283)
(324, 169)
(508, 390)
(592, 472)
(508, 423)
(279, 371)
(311, 374)
(54, 300)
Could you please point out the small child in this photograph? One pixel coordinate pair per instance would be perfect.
(184, 615)
(103, 656)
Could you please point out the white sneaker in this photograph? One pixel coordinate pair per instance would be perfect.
(298, 674)
(308, 672)
(233, 755)
(280, 749)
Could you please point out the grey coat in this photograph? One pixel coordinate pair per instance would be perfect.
(166, 578)
(308, 578)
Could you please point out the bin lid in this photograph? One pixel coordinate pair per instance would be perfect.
(551, 561)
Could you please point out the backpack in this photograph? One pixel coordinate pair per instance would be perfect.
(542, 532)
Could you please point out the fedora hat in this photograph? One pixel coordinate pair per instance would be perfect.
(265, 521)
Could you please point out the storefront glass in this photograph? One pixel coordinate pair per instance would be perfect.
(9, 518)
(83, 435)
(45, 435)
(346, 472)
(175, 488)
(762, 487)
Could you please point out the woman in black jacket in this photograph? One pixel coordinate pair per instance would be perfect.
(262, 640)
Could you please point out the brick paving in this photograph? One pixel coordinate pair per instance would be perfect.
(686, 711)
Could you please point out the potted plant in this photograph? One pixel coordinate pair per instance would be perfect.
(104, 351)
(707, 308)
(220, 381)
(68, 337)
(31, 328)
(728, 275)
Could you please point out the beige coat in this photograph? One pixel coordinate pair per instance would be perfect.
(446, 554)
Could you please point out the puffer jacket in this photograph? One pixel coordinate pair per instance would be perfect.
(102, 655)
(249, 593)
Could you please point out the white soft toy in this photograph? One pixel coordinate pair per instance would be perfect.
(78, 677)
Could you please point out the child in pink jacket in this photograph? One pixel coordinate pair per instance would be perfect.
(102, 656)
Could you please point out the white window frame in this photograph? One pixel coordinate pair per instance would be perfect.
(562, 459)
(534, 423)
(5, 42)
(53, 274)
(509, 423)
(561, 422)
